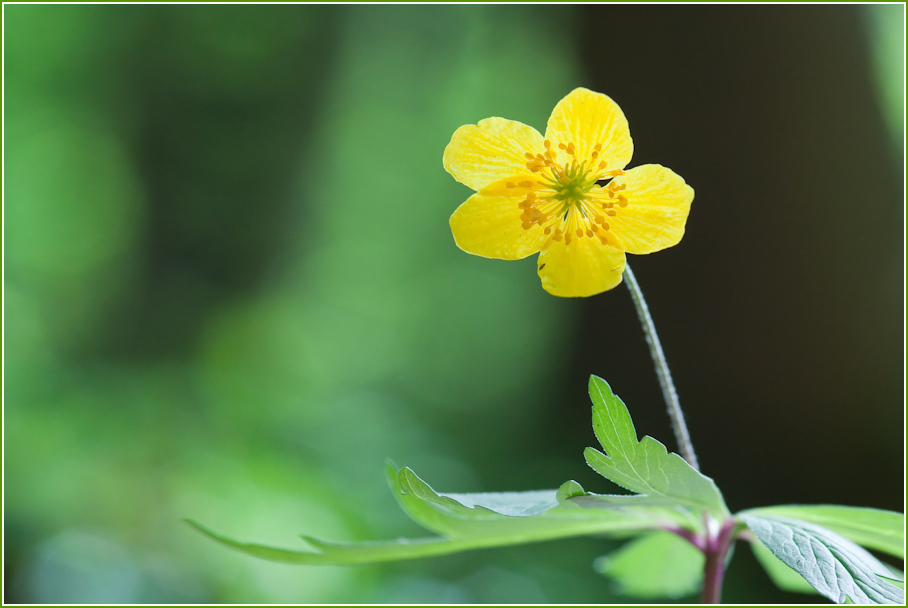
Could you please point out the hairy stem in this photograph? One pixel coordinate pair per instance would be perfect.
(665, 377)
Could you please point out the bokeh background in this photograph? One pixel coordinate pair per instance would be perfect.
(230, 290)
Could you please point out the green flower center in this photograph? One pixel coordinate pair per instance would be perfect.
(564, 208)
(572, 185)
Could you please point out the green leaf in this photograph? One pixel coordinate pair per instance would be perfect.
(872, 528)
(332, 553)
(671, 516)
(661, 564)
(833, 565)
(645, 467)
(784, 577)
(513, 517)
(465, 522)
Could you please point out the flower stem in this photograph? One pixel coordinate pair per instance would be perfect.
(665, 377)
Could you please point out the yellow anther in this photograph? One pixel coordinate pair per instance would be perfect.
(589, 232)
(580, 233)
(594, 227)
(511, 185)
(548, 230)
(611, 212)
(622, 202)
(548, 144)
(556, 237)
(526, 184)
(529, 155)
(567, 238)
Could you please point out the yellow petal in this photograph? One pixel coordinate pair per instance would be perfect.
(490, 226)
(582, 268)
(492, 150)
(658, 202)
(587, 118)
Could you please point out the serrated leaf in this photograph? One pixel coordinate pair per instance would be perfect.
(674, 515)
(512, 517)
(783, 576)
(872, 528)
(466, 522)
(347, 554)
(645, 466)
(833, 565)
(661, 564)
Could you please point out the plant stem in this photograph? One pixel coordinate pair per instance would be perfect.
(716, 552)
(665, 377)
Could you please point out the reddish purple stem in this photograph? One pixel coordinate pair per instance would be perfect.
(715, 549)
(716, 552)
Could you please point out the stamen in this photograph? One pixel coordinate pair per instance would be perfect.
(535, 166)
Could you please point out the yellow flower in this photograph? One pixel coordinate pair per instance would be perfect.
(565, 195)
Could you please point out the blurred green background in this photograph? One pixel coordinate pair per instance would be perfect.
(230, 290)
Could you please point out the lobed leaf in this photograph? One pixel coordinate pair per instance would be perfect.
(465, 522)
(833, 565)
(333, 553)
(872, 528)
(645, 467)
(514, 517)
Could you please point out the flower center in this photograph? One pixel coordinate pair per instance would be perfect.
(566, 200)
